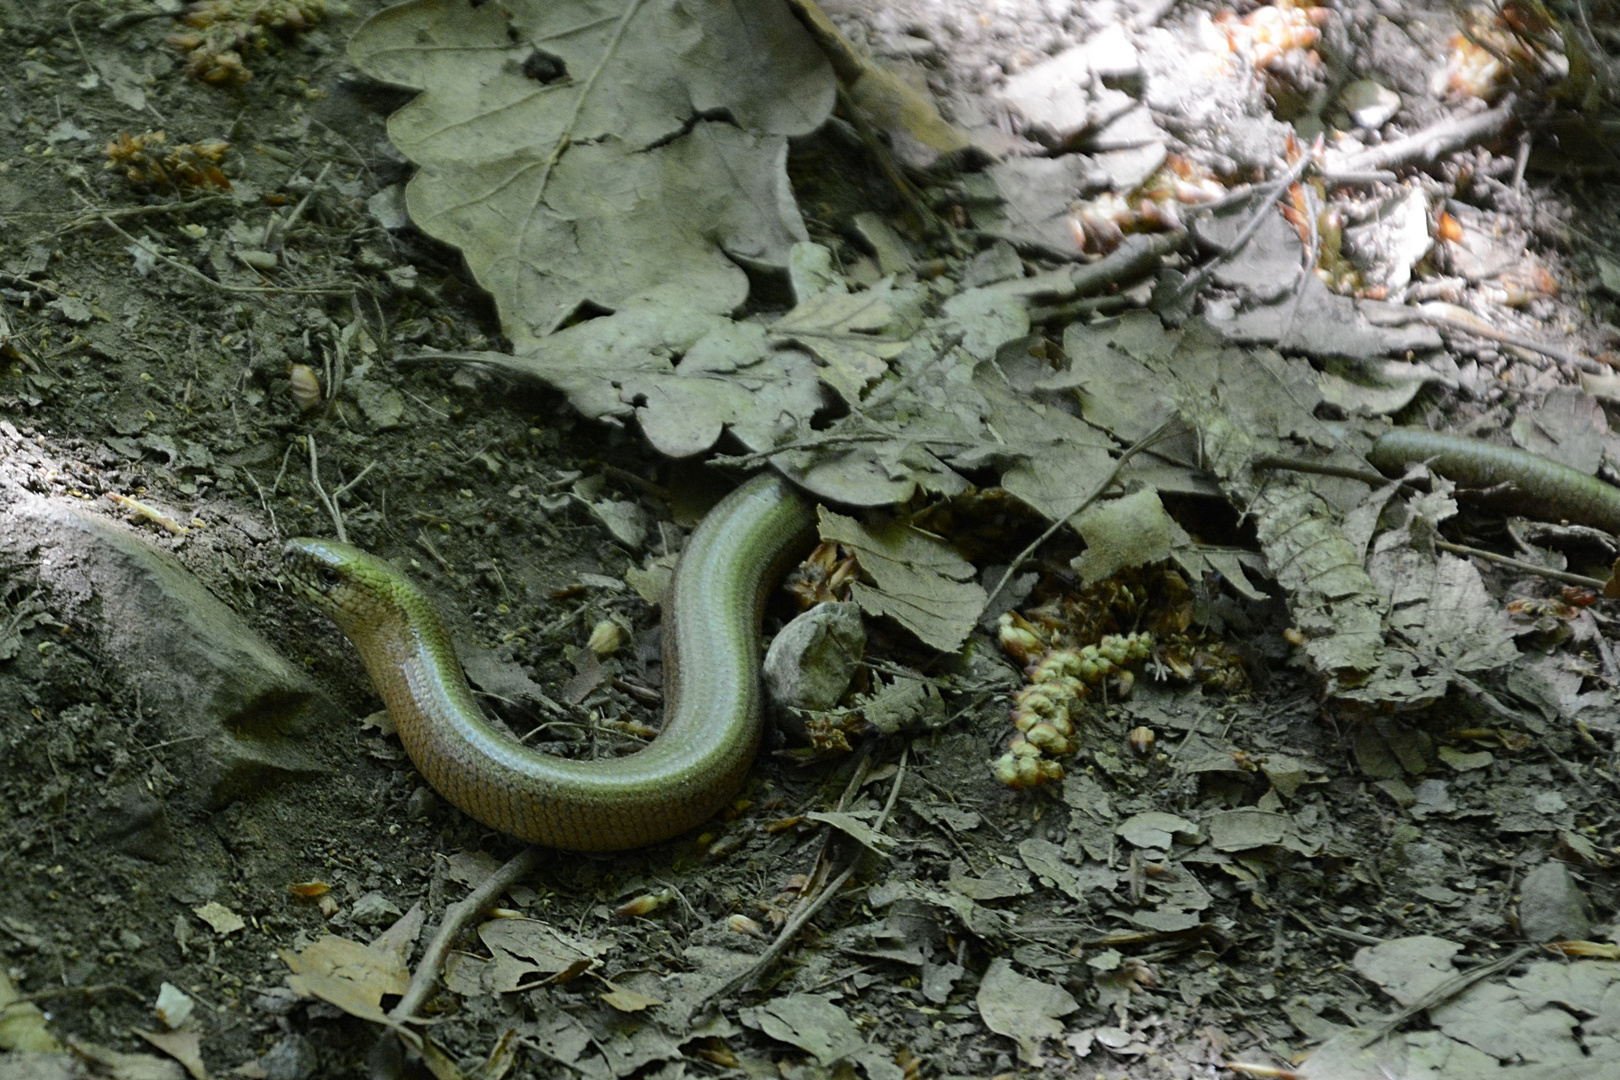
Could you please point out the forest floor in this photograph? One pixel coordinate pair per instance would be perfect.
(1089, 928)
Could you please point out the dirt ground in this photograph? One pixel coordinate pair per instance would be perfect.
(167, 381)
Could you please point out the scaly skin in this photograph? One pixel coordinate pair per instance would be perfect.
(711, 685)
(1536, 486)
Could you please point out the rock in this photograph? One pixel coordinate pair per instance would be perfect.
(374, 909)
(1552, 906)
(136, 823)
(1061, 98)
(224, 699)
(422, 804)
(1387, 247)
(813, 659)
(293, 1058)
(1368, 104)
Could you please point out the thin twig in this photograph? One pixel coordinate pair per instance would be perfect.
(810, 910)
(264, 502)
(1562, 355)
(1443, 993)
(931, 222)
(275, 234)
(1522, 566)
(456, 916)
(123, 213)
(344, 490)
(193, 272)
(1422, 147)
(281, 472)
(1141, 444)
(327, 501)
(1268, 196)
(1369, 477)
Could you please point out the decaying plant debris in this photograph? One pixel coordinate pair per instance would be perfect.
(1080, 319)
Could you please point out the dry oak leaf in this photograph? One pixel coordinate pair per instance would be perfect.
(575, 150)
(685, 376)
(917, 578)
(345, 973)
(1023, 1009)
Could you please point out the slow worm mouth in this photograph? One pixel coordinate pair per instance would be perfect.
(310, 575)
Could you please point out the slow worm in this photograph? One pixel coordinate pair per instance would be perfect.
(711, 685)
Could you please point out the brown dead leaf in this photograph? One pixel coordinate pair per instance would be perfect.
(184, 1046)
(345, 973)
(626, 1000)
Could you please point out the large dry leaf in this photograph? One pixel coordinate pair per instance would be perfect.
(1438, 608)
(917, 578)
(1023, 1009)
(854, 335)
(1246, 405)
(812, 1023)
(685, 376)
(571, 149)
(345, 973)
(184, 1046)
(1551, 1021)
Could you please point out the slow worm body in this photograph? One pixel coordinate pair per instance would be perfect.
(711, 685)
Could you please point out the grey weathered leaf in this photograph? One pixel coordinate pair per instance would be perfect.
(1126, 532)
(1244, 828)
(854, 335)
(918, 579)
(854, 827)
(561, 146)
(686, 376)
(1023, 1009)
(812, 1023)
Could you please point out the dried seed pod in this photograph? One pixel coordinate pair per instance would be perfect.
(306, 387)
(1019, 638)
(606, 636)
(645, 904)
(1049, 739)
(1141, 740)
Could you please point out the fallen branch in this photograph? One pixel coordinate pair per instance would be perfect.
(1432, 143)
(456, 916)
(1563, 356)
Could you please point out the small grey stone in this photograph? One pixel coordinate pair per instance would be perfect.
(422, 803)
(293, 1058)
(275, 1001)
(1056, 97)
(388, 207)
(374, 909)
(135, 823)
(1552, 906)
(812, 660)
(1370, 105)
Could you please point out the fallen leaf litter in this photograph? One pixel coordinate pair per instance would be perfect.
(942, 391)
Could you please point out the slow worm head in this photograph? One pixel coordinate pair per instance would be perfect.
(711, 685)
